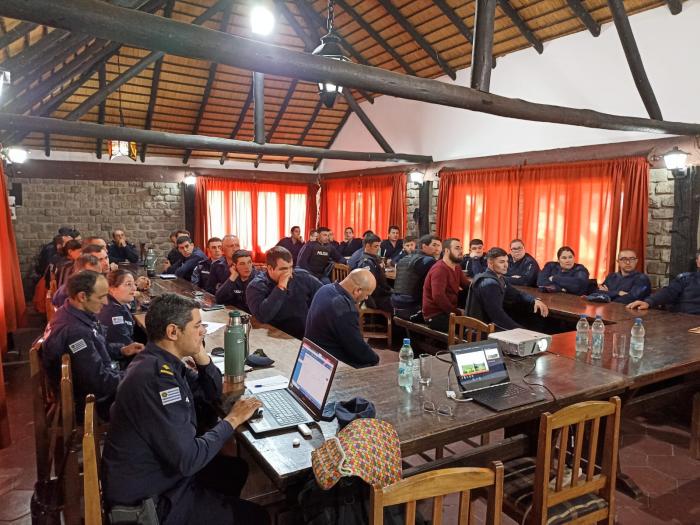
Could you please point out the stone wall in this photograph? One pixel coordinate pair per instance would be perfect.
(658, 256)
(147, 211)
(413, 202)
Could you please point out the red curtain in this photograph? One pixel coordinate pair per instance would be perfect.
(635, 207)
(364, 203)
(467, 201)
(259, 213)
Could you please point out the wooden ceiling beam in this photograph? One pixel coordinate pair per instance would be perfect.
(17, 65)
(102, 82)
(482, 51)
(456, 20)
(420, 39)
(675, 6)
(239, 122)
(367, 122)
(302, 137)
(309, 42)
(518, 22)
(17, 32)
(634, 59)
(584, 16)
(122, 25)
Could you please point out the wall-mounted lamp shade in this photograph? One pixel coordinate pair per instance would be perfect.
(190, 180)
(416, 177)
(676, 159)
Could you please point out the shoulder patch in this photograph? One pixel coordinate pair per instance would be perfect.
(77, 346)
(170, 396)
(165, 370)
(119, 319)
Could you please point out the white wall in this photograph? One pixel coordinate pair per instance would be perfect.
(576, 71)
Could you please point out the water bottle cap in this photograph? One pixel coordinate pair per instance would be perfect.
(234, 313)
(584, 316)
(407, 341)
(598, 316)
(637, 320)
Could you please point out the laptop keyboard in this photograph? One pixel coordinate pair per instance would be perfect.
(280, 405)
(499, 392)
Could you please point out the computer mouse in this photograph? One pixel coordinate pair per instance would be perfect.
(258, 413)
(218, 351)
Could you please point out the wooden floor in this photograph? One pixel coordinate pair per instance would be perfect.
(654, 452)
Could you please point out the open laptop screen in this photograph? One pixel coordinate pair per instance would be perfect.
(479, 365)
(312, 375)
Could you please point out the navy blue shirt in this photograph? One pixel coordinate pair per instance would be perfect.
(60, 296)
(636, 284)
(218, 274)
(526, 269)
(388, 250)
(200, 274)
(119, 254)
(185, 266)
(333, 324)
(174, 255)
(233, 292)
(474, 265)
(682, 294)
(355, 258)
(381, 296)
(293, 247)
(79, 334)
(283, 309)
(573, 281)
(487, 295)
(316, 257)
(116, 318)
(152, 447)
(348, 248)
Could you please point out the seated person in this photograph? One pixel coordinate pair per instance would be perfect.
(232, 292)
(333, 322)
(410, 275)
(219, 271)
(564, 275)
(392, 246)
(522, 267)
(116, 317)
(442, 285)
(351, 244)
(281, 295)
(190, 257)
(681, 295)
(76, 331)
(65, 268)
(332, 241)
(153, 449)
(174, 254)
(100, 252)
(627, 285)
(120, 250)
(490, 289)
(49, 253)
(474, 262)
(381, 296)
(317, 256)
(200, 274)
(409, 247)
(86, 261)
(293, 243)
(354, 259)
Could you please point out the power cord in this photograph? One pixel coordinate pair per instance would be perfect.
(532, 369)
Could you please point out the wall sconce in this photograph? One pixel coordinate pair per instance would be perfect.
(190, 180)
(415, 176)
(675, 159)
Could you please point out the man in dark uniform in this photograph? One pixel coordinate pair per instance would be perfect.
(317, 256)
(174, 254)
(351, 244)
(219, 271)
(153, 454)
(391, 247)
(232, 292)
(333, 322)
(682, 294)
(474, 262)
(121, 250)
(627, 285)
(49, 252)
(190, 256)
(354, 259)
(294, 243)
(381, 296)
(489, 290)
(409, 247)
(201, 272)
(281, 296)
(522, 267)
(76, 331)
(86, 261)
(410, 276)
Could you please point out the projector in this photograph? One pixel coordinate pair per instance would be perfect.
(521, 342)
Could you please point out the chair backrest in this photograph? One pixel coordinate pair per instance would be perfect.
(67, 400)
(463, 329)
(44, 407)
(561, 443)
(340, 272)
(436, 484)
(91, 466)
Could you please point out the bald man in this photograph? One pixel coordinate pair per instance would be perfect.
(333, 321)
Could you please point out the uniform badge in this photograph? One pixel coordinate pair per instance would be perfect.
(79, 345)
(170, 396)
(119, 319)
(165, 370)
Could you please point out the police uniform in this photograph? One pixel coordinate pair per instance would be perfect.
(152, 449)
(60, 296)
(487, 294)
(218, 274)
(526, 269)
(185, 266)
(283, 309)
(119, 254)
(408, 285)
(116, 318)
(474, 265)
(381, 297)
(390, 251)
(174, 256)
(316, 258)
(682, 293)
(80, 335)
(355, 258)
(293, 247)
(233, 292)
(636, 284)
(347, 248)
(333, 324)
(574, 281)
(200, 274)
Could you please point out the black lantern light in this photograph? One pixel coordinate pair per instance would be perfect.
(330, 48)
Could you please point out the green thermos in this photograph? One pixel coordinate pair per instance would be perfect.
(234, 348)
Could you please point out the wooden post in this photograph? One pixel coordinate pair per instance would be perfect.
(102, 82)
(259, 107)
(482, 51)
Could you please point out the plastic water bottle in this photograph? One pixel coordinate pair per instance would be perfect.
(598, 336)
(637, 339)
(406, 365)
(582, 337)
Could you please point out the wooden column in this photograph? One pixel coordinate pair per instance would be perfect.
(686, 209)
(482, 51)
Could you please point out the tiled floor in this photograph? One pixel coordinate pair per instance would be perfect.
(654, 453)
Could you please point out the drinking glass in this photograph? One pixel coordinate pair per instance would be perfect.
(426, 369)
(619, 345)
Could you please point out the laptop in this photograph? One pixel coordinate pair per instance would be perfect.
(304, 398)
(483, 376)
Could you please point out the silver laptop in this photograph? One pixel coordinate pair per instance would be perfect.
(304, 398)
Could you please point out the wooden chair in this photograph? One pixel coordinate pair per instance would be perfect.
(50, 308)
(465, 329)
(71, 449)
(369, 326)
(436, 484)
(45, 410)
(91, 466)
(548, 489)
(340, 272)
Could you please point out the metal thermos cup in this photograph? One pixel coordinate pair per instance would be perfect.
(235, 348)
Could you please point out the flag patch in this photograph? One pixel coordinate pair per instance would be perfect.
(118, 320)
(79, 345)
(171, 395)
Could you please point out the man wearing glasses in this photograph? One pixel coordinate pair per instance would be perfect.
(522, 267)
(627, 285)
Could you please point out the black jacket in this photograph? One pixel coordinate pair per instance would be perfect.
(486, 296)
(574, 281)
(119, 254)
(233, 292)
(682, 294)
(526, 269)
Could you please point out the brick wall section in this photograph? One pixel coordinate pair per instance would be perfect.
(147, 211)
(658, 256)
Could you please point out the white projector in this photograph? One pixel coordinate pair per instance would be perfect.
(521, 342)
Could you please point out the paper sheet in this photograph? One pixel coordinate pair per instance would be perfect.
(255, 386)
(213, 327)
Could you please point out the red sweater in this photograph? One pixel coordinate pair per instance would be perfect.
(441, 288)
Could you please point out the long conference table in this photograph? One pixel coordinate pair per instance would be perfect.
(671, 355)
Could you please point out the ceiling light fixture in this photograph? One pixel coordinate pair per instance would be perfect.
(416, 176)
(4, 79)
(676, 159)
(262, 20)
(17, 155)
(330, 48)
